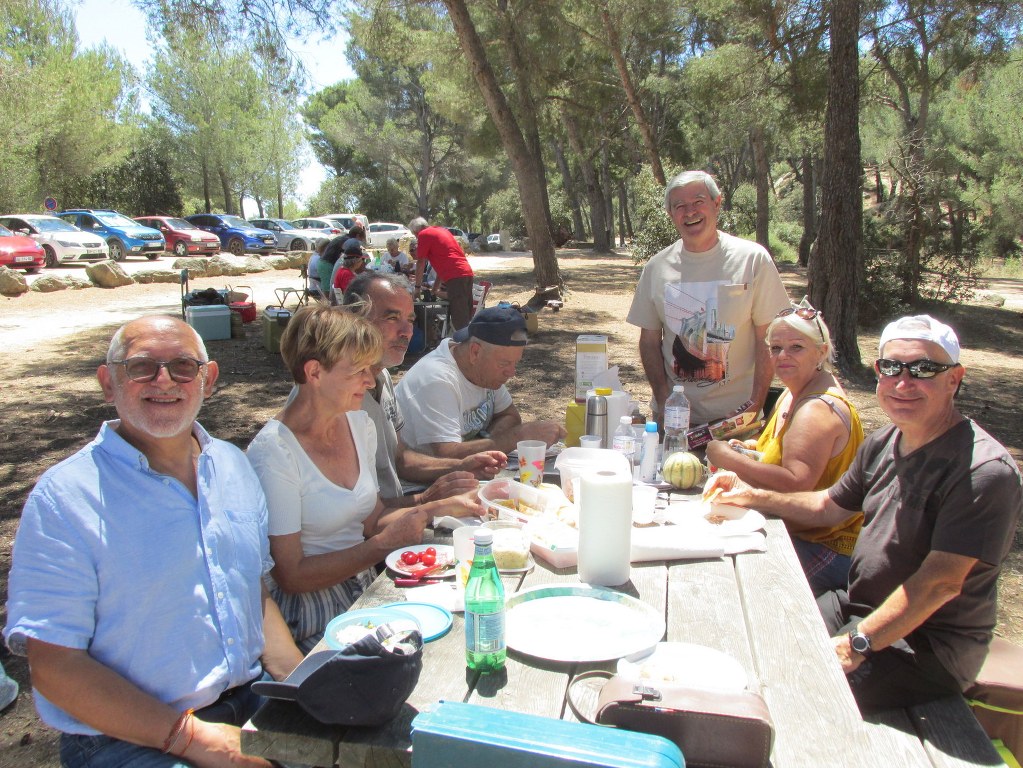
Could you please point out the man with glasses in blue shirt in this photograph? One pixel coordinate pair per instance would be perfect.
(941, 500)
(136, 586)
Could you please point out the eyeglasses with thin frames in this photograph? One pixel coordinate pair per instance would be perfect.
(918, 369)
(145, 369)
(805, 313)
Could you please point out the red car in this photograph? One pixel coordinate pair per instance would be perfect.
(183, 239)
(20, 252)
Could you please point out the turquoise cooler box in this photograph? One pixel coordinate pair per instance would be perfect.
(454, 735)
(211, 323)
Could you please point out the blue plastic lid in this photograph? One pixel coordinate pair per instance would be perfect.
(366, 617)
(434, 621)
(651, 426)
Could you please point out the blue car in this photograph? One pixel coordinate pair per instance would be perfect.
(123, 236)
(236, 235)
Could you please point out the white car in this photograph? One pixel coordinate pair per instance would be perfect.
(346, 220)
(494, 240)
(64, 243)
(378, 233)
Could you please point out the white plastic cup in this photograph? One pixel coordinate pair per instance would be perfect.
(464, 543)
(589, 441)
(532, 456)
(644, 499)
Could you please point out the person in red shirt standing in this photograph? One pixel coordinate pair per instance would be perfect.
(439, 247)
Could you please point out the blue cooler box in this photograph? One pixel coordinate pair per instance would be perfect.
(211, 323)
(455, 735)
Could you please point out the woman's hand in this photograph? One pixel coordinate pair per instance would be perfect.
(402, 528)
(451, 484)
(720, 454)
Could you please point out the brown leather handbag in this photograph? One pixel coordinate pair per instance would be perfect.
(714, 729)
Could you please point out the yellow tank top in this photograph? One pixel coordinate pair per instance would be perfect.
(840, 538)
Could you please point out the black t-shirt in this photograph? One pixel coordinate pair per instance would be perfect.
(960, 494)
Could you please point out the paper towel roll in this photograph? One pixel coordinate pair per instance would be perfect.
(605, 528)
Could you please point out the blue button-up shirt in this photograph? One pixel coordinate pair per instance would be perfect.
(159, 586)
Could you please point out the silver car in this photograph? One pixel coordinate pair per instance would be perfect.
(289, 237)
(64, 243)
(381, 231)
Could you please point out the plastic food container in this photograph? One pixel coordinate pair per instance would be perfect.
(511, 500)
(572, 462)
(511, 544)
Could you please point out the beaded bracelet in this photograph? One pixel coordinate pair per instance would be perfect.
(179, 726)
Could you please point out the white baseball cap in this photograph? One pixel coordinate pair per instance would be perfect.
(925, 328)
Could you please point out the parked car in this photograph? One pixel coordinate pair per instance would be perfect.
(123, 236)
(289, 237)
(329, 228)
(378, 233)
(347, 220)
(20, 252)
(183, 239)
(456, 232)
(62, 243)
(236, 234)
(494, 240)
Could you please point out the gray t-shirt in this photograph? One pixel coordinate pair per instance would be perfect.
(384, 412)
(960, 494)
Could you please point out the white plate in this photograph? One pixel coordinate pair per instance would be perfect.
(577, 622)
(684, 665)
(694, 514)
(394, 562)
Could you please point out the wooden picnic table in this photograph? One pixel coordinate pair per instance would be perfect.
(756, 607)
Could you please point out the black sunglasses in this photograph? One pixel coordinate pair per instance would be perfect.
(806, 313)
(145, 369)
(918, 369)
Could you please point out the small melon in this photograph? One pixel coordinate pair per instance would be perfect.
(683, 470)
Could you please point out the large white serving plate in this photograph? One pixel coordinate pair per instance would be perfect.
(577, 622)
(694, 514)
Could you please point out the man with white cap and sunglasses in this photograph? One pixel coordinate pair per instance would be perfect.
(941, 500)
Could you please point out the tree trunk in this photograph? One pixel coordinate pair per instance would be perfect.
(833, 276)
(762, 177)
(594, 193)
(809, 208)
(546, 274)
(622, 215)
(280, 197)
(645, 129)
(608, 193)
(570, 191)
(206, 186)
(225, 188)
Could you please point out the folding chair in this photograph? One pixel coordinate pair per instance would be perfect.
(282, 294)
(480, 291)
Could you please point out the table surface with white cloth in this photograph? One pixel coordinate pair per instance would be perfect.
(755, 606)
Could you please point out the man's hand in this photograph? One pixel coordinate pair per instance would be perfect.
(729, 489)
(451, 484)
(215, 744)
(548, 431)
(402, 529)
(847, 657)
(484, 465)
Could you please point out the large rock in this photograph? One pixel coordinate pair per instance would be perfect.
(295, 259)
(195, 267)
(255, 264)
(277, 262)
(157, 276)
(48, 284)
(12, 283)
(77, 283)
(227, 265)
(108, 274)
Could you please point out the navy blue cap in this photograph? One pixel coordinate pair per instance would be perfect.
(503, 326)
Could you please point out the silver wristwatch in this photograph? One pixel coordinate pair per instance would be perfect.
(860, 643)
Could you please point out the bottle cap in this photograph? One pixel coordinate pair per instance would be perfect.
(651, 426)
(603, 391)
(678, 388)
(625, 420)
(483, 536)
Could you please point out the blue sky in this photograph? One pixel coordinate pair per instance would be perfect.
(120, 24)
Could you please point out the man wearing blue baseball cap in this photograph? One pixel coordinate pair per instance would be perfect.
(454, 399)
(941, 500)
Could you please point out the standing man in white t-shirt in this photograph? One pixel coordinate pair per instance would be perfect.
(703, 305)
(454, 399)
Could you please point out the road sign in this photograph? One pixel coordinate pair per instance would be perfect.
(50, 203)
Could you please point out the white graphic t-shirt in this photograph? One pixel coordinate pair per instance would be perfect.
(707, 305)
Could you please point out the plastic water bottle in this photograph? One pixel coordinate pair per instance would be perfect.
(485, 649)
(676, 422)
(624, 441)
(648, 461)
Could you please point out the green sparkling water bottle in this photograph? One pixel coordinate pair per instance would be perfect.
(485, 649)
